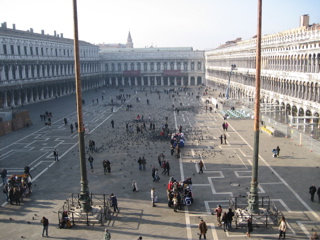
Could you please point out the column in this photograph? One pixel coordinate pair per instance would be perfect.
(19, 97)
(117, 81)
(162, 82)
(175, 81)
(31, 95)
(130, 79)
(122, 81)
(149, 81)
(2, 74)
(189, 80)
(25, 101)
(136, 81)
(142, 81)
(10, 73)
(42, 94)
(12, 104)
(5, 99)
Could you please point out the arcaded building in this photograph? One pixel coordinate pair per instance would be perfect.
(39, 66)
(290, 67)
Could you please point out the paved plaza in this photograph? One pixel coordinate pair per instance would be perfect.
(227, 171)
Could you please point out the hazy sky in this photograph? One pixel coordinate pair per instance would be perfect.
(201, 24)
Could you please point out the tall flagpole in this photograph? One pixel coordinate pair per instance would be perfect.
(253, 198)
(84, 191)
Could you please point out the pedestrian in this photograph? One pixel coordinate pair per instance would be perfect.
(153, 172)
(225, 138)
(218, 210)
(114, 202)
(112, 123)
(27, 170)
(56, 154)
(318, 192)
(140, 163)
(175, 203)
(6, 191)
(224, 221)
(139, 238)
(153, 195)
(226, 126)
(11, 196)
(230, 215)
(167, 168)
(221, 139)
(314, 236)
(65, 121)
(90, 159)
(312, 191)
(203, 229)
(282, 228)
(201, 166)
(4, 173)
(104, 164)
(76, 125)
(108, 166)
(127, 127)
(134, 186)
(249, 227)
(71, 127)
(143, 163)
(278, 151)
(107, 235)
(156, 175)
(160, 159)
(45, 224)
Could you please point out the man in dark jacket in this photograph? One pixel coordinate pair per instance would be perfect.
(312, 191)
(230, 215)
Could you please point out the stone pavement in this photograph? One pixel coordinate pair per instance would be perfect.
(285, 180)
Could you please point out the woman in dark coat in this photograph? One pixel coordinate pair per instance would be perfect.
(249, 227)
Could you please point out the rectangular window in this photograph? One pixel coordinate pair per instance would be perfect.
(64, 52)
(31, 51)
(25, 50)
(5, 49)
(42, 51)
(12, 49)
(19, 50)
(56, 52)
(37, 51)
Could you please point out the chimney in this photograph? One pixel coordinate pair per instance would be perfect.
(42, 32)
(4, 24)
(13, 26)
(304, 20)
(61, 34)
(31, 30)
(55, 33)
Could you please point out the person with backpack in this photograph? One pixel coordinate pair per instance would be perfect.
(45, 224)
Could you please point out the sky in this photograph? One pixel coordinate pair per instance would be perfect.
(201, 24)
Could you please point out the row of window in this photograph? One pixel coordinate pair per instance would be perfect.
(151, 66)
(41, 51)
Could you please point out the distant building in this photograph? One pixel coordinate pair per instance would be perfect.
(129, 44)
(290, 79)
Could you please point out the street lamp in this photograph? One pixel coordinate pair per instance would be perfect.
(233, 67)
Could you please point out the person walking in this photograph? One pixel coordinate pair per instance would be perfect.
(156, 175)
(114, 202)
(218, 210)
(318, 192)
(175, 203)
(143, 163)
(278, 151)
(224, 221)
(90, 159)
(56, 154)
(201, 166)
(249, 227)
(71, 127)
(203, 229)
(225, 138)
(45, 224)
(226, 125)
(104, 164)
(153, 195)
(112, 123)
(167, 168)
(230, 215)
(221, 139)
(107, 235)
(312, 191)
(4, 173)
(282, 228)
(140, 163)
(153, 173)
(134, 186)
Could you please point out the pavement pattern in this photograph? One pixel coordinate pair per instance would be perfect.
(227, 170)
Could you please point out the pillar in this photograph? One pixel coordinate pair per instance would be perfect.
(12, 104)
(162, 82)
(5, 99)
(19, 97)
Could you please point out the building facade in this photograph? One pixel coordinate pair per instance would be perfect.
(290, 79)
(153, 66)
(36, 67)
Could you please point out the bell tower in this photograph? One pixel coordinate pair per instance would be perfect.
(129, 43)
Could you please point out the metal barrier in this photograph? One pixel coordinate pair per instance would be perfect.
(268, 217)
(101, 207)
